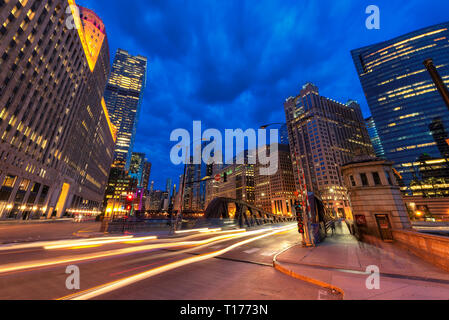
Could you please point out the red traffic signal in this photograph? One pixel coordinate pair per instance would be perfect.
(301, 228)
(130, 197)
(128, 207)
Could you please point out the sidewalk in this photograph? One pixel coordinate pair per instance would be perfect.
(341, 262)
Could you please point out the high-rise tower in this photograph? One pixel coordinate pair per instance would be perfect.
(123, 96)
(324, 135)
(409, 112)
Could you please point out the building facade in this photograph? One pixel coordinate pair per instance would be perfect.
(276, 193)
(123, 96)
(405, 103)
(324, 134)
(239, 184)
(57, 140)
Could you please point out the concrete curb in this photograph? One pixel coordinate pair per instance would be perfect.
(278, 266)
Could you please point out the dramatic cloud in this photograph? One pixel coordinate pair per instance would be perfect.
(232, 63)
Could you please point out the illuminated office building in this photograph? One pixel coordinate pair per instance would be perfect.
(324, 134)
(137, 167)
(239, 184)
(123, 95)
(57, 141)
(276, 193)
(409, 113)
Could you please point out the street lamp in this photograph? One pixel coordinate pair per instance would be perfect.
(303, 196)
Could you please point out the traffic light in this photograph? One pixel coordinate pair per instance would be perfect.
(298, 209)
(209, 170)
(225, 177)
(129, 202)
(301, 227)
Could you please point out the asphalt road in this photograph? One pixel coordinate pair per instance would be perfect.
(216, 265)
(45, 231)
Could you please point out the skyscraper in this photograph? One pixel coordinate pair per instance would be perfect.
(275, 193)
(403, 99)
(123, 96)
(146, 175)
(169, 186)
(374, 136)
(324, 135)
(137, 167)
(57, 141)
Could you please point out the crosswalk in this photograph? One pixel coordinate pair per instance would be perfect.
(259, 251)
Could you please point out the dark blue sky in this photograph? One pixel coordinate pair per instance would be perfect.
(232, 63)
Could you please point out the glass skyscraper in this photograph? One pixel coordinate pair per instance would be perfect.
(374, 136)
(405, 104)
(123, 96)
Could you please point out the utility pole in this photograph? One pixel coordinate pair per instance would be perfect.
(303, 196)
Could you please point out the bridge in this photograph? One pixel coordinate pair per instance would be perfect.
(245, 214)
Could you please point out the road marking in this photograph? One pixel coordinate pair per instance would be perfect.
(268, 253)
(251, 251)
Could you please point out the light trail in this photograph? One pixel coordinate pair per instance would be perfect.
(98, 243)
(79, 243)
(42, 244)
(191, 230)
(115, 285)
(118, 252)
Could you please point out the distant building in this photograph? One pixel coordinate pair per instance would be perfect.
(375, 139)
(146, 175)
(123, 96)
(276, 193)
(324, 134)
(56, 139)
(169, 186)
(157, 198)
(403, 98)
(192, 188)
(137, 166)
(120, 185)
(239, 183)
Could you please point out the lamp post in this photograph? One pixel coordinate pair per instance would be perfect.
(303, 197)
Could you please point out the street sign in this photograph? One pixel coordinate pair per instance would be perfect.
(218, 178)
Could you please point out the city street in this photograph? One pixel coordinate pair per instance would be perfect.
(21, 232)
(195, 265)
